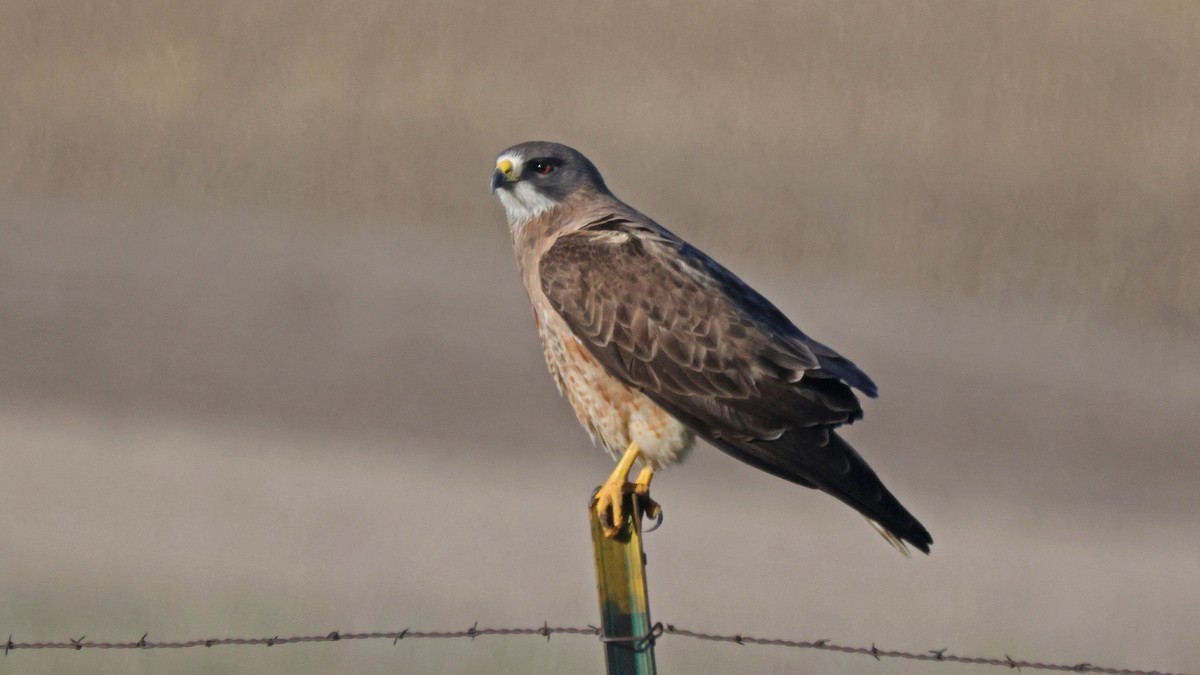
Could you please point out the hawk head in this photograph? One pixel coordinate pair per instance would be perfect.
(534, 177)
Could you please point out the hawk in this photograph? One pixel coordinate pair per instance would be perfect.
(654, 343)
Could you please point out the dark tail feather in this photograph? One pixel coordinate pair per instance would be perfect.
(834, 467)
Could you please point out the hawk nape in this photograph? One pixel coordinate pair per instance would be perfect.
(654, 343)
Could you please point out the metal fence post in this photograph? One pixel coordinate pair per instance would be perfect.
(624, 604)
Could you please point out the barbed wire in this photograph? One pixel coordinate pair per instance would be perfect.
(638, 641)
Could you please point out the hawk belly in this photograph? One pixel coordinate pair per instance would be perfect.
(613, 413)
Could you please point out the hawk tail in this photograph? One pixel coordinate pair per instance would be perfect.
(832, 466)
(839, 470)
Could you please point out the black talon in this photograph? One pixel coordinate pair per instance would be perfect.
(658, 518)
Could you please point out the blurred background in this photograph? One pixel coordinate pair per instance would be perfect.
(266, 367)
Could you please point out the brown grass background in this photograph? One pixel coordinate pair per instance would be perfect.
(265, 365)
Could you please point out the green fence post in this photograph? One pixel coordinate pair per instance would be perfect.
(624, 604)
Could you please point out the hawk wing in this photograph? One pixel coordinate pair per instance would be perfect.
(666, 319)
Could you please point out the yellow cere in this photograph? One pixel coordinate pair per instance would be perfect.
(505, 166)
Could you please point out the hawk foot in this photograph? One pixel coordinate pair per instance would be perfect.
(609, 500)
(609, 503)
(641, 494)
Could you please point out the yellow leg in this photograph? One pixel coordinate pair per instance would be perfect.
(641, 488)
(609, 499)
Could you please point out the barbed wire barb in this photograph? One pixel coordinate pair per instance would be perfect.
(658, 631)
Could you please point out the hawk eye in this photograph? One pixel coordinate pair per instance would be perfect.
(542, 166)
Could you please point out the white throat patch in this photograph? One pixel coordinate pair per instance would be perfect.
(523, 203)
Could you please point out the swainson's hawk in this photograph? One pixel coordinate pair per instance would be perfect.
(654, 343)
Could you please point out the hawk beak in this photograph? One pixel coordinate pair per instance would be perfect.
(499, 180)
(503, 175)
